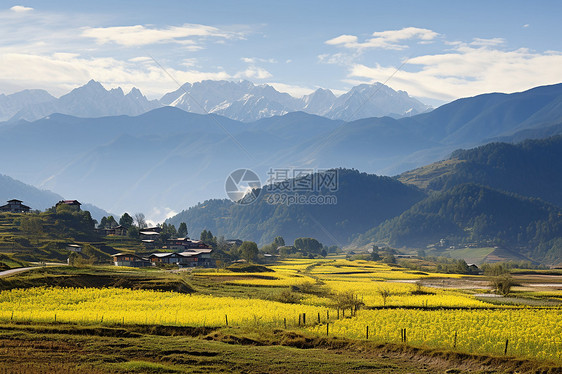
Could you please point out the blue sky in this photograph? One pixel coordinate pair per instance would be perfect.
(435, 50)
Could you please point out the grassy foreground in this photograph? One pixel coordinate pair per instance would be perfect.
(54, 348)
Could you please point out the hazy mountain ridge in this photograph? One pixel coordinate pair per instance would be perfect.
(36, 198)
(12, 104)
(90, 100)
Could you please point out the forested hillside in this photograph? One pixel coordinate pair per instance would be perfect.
(473, 214)
(363, 201)
(532, 168)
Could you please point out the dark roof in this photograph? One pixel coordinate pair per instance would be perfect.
(122, 254)
(19, 201)
(69, 202)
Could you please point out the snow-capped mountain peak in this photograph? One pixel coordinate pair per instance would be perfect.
(242, 100)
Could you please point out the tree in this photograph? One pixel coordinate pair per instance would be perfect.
(140, 221)
(168, 232)
(126, 220)
(375, 256)
(384, 294)
(309, 245)
(107, 222)
(206, 236)
(133, 232)
(103, 222)
(249, 251)
(389, 258)
(32, 226)
(182, 230)
(278, 242)
(72, 259)
(111, 222)
(502, 284)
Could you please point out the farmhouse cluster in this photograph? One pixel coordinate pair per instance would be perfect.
(185, 252)
(182, 252)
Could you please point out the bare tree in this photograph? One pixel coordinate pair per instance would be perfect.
(385, 294)
(140, 220)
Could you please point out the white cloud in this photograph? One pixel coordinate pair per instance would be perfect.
(61, 72)
(20, 9)
(468, 70)
(159, 215)
(390, 39)
(526, 25)
(479, 42)
(140, 35)
(253, 72)
(337, 58)
(253, 60)
(140, 59)
(343, 39)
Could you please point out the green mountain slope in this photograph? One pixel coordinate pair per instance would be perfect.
(479, 215)
(532, 168)
(363, 201)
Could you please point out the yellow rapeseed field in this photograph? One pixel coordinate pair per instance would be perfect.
(530, 332)
(115, 305)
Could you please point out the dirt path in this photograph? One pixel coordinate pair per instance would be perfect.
(6, 273)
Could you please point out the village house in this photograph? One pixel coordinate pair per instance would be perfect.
(74, 248)
(118, 230)
(75, 204)
(189, 258)
(149, 235)
(234, 242)
(180, 244)
(15, 206)
(131, 260)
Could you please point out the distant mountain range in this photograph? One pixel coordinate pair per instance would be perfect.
(242, 101)
(90, 100)
(167, 159)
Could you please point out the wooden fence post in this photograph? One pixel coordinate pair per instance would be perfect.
(455, 342)
(327, 327)
(367, 333)
(226, 319)
(505, 350)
